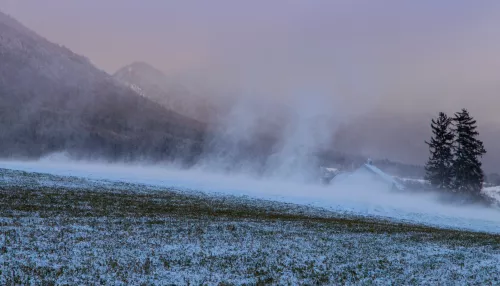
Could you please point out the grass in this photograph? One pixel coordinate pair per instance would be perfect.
(61, 230)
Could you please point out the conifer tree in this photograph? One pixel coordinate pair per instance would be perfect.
(439, 166)
(467, 171)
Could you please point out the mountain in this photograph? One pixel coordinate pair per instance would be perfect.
(52, 99)
(151, 83)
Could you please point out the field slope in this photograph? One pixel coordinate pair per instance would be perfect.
(68, 230)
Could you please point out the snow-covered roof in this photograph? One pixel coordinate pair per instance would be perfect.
(387, 178)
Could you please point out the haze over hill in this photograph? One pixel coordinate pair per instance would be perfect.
(393, 135)
(152, 83)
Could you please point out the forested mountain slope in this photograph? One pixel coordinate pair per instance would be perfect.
(52, 99)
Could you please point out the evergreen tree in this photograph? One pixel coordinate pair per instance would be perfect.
(439, 167)
(467, 171)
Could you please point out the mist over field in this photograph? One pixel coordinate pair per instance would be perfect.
(364, 196)
(275, 97)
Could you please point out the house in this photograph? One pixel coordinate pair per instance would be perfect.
(367, 175)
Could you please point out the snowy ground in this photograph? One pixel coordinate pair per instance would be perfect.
(71, 230)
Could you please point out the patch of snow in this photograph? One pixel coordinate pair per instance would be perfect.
(137, 89)
(421, 181)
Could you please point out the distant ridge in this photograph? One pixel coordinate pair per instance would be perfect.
(52, 99)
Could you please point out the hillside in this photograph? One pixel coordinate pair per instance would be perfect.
(52, 99)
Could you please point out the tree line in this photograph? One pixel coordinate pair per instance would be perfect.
(454, 164)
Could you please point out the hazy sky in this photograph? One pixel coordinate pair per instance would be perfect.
(409, 55)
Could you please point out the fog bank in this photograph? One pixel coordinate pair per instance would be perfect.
(363, 198)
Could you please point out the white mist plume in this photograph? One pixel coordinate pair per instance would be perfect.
(309, 130)
(231, 133)
(293, 132)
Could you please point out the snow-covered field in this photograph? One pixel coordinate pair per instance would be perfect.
(149, 225)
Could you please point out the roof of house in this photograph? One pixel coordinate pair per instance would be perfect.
(387, 178)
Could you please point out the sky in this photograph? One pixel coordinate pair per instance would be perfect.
(406, 56)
